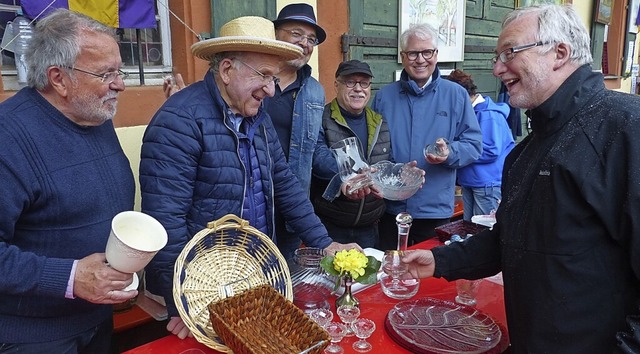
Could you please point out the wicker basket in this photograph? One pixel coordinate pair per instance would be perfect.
(459, 227)
(262, 321)
(226, 258)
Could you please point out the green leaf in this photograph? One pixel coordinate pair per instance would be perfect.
(327, 264)
(370, 271)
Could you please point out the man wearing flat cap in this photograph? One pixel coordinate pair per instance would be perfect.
(296, 110)
(352, 216)
(212, 150)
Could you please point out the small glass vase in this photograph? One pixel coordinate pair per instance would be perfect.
(347, 297)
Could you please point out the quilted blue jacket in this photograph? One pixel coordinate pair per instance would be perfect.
(191, 173)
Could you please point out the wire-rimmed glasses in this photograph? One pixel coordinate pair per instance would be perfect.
(508, 54)
(106, 78)
(266, 79)
(426, 54)
(299, 37)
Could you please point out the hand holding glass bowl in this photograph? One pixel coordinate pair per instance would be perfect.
(437, 152)
(397, 181)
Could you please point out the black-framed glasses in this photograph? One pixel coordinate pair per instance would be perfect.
(508, 54)
(108, 77)
(266, 79)
(352, 83)
(299, 37)
(426, 54)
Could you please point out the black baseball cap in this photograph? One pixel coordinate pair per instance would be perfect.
(353, 67)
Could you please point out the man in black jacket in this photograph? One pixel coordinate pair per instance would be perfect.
(567, 240)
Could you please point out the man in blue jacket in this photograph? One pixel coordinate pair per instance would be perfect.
(421, 108)
(212, 150)
(63, 177)
(296, 110)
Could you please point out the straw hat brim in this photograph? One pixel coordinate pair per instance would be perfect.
(208, 48)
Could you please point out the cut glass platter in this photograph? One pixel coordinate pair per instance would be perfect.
(430, 326)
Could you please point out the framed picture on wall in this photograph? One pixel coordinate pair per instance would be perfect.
(523, 3)
(603, 11)
(447, 17)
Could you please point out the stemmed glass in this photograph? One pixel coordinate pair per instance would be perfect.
(321, 316)
(393, 267)
(363, 328)
(353, 169)
(336, 332)
(348, 314)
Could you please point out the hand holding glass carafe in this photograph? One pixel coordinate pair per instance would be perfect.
(392, 281)
(437, 152)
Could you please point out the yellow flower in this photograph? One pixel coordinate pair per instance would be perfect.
(351, 261)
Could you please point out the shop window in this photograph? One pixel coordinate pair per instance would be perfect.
(154, 42)
(610, 42)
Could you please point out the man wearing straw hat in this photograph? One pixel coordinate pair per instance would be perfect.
(211, 150)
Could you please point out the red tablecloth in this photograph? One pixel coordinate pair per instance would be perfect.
(374, 305)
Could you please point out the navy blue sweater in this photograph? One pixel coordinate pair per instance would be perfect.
(60, 186)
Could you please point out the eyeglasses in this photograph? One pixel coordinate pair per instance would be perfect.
(299, 37)
(426, 54)
(108, 77)
(352, 83)
(508, 54)
(266, 79)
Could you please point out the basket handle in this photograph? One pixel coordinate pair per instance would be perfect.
(223, 220)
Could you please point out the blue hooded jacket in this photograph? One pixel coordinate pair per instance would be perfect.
(497, 142)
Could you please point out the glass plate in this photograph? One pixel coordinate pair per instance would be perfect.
(429, 325)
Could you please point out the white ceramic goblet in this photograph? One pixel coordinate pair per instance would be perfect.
(134, 239)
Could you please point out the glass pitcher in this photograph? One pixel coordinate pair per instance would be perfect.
(312, 286)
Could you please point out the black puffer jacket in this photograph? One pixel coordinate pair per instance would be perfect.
(342, 211)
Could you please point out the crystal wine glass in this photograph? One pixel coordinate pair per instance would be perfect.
(353, 169)
(321, 316)
(348, 314)
(393, 267)
(363, 328)
(336, 332)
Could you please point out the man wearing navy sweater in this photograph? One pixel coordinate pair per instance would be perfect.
(63, 176)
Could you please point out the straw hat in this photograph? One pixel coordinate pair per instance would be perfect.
(246, 34)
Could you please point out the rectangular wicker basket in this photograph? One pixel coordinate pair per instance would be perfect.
(261, 320)
(459, 227)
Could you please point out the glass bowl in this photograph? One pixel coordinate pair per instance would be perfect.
(397, 181)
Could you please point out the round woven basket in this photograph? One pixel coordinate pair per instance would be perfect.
(226, 258)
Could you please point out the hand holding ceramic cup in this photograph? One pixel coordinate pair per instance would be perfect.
(134, 239)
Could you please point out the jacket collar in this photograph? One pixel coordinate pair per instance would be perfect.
(410, 87)
(576, 91)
